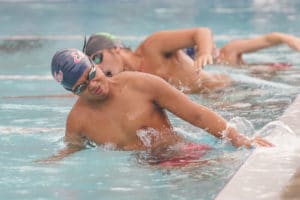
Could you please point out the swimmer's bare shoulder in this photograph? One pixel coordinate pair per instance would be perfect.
(140, 81)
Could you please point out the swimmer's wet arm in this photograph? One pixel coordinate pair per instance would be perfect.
(73, 140)
(277, 38)
(69, 149)
(203, 38)
(169, 41)
(219, 127)
(204, 45)
(216, 125)
(180, 105)
(261, 42)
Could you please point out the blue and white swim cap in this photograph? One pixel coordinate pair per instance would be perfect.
(68, 65)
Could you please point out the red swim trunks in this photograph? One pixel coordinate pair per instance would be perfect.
(187, 153)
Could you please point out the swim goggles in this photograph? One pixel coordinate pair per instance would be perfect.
(97, 58)
(81, 87)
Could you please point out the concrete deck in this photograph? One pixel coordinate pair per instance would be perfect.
(271, 173)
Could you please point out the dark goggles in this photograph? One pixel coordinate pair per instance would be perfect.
(81, 87)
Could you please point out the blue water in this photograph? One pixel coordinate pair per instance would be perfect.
(32, 128)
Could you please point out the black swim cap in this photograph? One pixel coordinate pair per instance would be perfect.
(68, 65)
(99, 41)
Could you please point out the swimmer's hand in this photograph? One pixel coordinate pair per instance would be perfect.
(252, 143)
(240, 140)
(202, 60)
(259, 142)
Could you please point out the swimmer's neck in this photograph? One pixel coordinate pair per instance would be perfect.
(132, 61)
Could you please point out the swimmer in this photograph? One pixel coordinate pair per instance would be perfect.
(113, 110)
(161, 54)
(232, 53)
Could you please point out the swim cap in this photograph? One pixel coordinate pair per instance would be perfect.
(68, 65)
(99, 41)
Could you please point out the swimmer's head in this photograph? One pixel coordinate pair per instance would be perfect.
(100, 41)
(68, 65)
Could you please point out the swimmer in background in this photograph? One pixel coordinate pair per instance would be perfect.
(231, 54)
(161, 54)
(114, 110)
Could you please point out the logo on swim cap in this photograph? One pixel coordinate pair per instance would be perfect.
(77, 56)
(58, 76)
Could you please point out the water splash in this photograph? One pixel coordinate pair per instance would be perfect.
(243, 125)
(107, 146)
(281, 135)
(147, 135)
(275, 126)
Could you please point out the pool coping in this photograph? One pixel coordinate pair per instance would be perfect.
(266, 174)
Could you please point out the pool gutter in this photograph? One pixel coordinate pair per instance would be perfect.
(269, 174)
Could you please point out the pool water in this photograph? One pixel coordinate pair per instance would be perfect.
(32, 128)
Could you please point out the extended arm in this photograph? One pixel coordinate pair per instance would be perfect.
(179, 104)
(74, 142)
(68, 150)
(171, 41)
(261, 42)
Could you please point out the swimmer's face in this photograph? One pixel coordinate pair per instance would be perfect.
(109, 61)
(95, 87)
(82, 85)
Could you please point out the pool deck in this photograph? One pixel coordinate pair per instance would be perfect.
(270, 173)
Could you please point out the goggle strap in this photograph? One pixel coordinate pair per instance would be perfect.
(84, 45)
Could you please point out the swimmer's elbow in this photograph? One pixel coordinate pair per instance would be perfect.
(205, 30)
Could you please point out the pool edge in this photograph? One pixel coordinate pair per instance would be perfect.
(249, 184)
